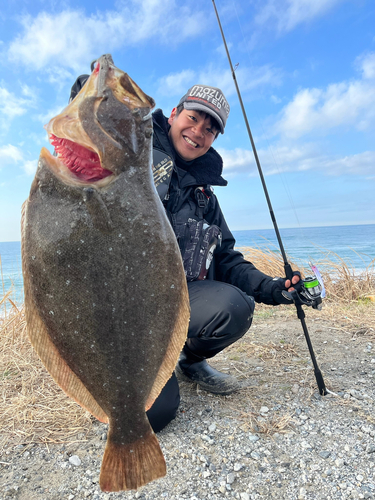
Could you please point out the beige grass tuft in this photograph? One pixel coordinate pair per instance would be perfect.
(33, 409)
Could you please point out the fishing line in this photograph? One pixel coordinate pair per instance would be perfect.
(303, 235)
(270, 148)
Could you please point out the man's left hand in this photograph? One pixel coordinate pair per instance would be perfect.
(295, 280)
(283, 285)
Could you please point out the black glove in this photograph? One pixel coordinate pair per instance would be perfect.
(280, 293)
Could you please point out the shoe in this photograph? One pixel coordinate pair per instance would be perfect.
(206, 377)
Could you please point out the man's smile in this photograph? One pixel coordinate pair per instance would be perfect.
(189, 141)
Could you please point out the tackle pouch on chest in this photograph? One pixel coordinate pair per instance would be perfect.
(197, 241)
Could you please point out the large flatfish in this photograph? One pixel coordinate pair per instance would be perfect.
(106, 299)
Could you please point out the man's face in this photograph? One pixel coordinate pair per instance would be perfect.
(191, 133)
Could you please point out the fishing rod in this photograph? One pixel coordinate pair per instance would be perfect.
(310, 294)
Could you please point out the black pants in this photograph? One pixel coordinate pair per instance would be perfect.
(220, 315)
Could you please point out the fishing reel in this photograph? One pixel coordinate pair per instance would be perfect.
(311, 292)
(308, 292)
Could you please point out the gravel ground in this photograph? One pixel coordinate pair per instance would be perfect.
(277, 438)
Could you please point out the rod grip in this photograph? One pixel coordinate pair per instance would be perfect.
(288, 271)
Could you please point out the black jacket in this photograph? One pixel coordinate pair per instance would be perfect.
(228, 264)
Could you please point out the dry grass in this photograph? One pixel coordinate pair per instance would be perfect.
(350, 294)
(341, 280)
(33, 409)
(255, 423)
(243, 349)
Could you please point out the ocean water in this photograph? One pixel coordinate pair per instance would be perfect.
(354, 244)
(11, 270)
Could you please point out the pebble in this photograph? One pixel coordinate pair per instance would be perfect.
(356, 394)
(75, 460)
(325, 454)
(264, 409)
(207, 439)
(230, 478)
(302, 493)
(253, 438)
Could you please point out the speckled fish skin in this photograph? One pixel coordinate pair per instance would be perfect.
(105, 292)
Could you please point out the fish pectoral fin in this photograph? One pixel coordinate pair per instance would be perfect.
(130, 466)
(97, 209)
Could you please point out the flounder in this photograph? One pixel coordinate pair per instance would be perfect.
(106, 299)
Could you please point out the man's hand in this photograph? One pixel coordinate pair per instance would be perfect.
(283, 285)
(295, 280)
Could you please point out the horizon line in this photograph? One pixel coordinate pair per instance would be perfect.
(268, 228)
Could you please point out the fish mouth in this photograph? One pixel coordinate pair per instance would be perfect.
(90, 135)
(82, 162)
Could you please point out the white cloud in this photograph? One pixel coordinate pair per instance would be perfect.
(287, 14)
(30, 167)
(58, 76)
(366, 64)
(237, 161)
(349, 103)
(176, 84)
(359, 164)
(11, 154)
(248, 78)
(297, 159)
(11, 105)
(273, 160)
(71, 38)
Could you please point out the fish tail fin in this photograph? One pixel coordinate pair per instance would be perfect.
(130, 466)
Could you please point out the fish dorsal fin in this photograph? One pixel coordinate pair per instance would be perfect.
(47, 351)
(175, 346)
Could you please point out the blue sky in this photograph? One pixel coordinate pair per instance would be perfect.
(306, 73)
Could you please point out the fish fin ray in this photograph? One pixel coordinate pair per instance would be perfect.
(47, 351)
(173, 350)
(130, 466)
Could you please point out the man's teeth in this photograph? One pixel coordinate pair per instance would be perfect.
(189, 141)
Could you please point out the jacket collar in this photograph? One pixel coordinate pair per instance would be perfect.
(206, 169)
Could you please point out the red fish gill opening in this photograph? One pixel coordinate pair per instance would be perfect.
(82, 162)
